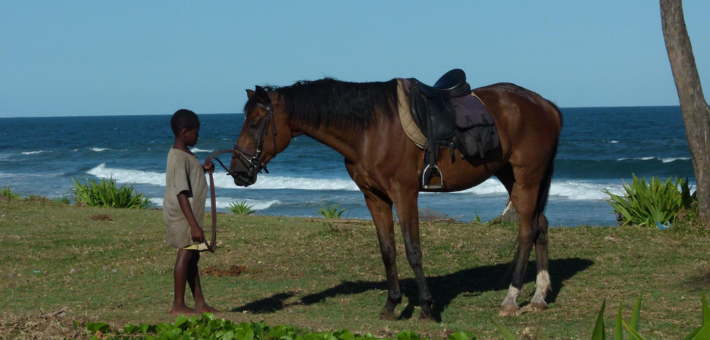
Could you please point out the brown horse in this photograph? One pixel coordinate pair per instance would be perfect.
(360, 121)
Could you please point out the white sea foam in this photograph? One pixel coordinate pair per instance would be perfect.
(266, 182)
(573, 190)
(668, 160)
(128, 176)
(196, 150)
(34, 152)
(664, 160)
(224, 203)
(614, 142)
(569, 189)
(100, 149)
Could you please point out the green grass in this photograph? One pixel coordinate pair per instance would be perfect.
(328, 275)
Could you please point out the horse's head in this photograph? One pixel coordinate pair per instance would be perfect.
(264, 134)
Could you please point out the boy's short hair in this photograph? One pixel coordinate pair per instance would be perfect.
(184, 119)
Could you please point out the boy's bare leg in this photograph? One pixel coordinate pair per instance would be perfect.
(193, 279)
(180, 275)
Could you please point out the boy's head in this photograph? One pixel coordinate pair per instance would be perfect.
(186, 126)
(184, 119)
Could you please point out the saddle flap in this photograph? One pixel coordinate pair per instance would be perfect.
(471, 112)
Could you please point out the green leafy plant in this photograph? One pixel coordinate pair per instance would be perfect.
(331, 212)
(702, 332)
(8, 193)
(241, 208)
(208, 327)
(644, 203)
(106, 194)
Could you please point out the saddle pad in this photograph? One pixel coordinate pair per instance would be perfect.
(405, 116)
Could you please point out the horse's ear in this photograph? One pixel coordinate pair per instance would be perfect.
(250, 93)
(262, 96)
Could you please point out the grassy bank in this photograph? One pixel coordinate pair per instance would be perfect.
(113, 266)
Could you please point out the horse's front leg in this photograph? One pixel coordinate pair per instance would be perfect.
(381, 211)
(408, 213)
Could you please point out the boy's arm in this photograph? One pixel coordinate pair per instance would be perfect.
(196, 232)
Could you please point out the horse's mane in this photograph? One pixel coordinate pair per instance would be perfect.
(331, 102)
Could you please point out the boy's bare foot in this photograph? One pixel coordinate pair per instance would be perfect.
(206, 309)
(182, 310)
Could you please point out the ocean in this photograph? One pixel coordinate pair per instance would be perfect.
(599, 148)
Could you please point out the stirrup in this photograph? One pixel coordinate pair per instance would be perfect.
(426, 176)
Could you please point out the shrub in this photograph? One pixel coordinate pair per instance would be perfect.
(644, 204)
(241, 208)
(702, 332)
(8, 193)
(331, 212)
(106, 194)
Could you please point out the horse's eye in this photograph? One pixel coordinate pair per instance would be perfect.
(254, 123)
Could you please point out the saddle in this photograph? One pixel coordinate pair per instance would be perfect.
(449, 115)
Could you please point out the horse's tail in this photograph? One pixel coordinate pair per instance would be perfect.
(544, 191)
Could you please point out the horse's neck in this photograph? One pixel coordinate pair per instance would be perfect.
(344, 141)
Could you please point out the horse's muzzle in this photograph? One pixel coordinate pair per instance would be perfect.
(244, 179)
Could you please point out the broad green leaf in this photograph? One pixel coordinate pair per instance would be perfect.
(346, 335)
(506, 333)
(706, 311)
(636, 314)
(633, 334)
(459, 336)
(97, 326)
(131, 329)
(692, 334)
(618, 328)
(180, 320)
(598, 332)
(703, 333)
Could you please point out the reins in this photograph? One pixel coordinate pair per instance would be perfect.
(212, 246)
(252, 161)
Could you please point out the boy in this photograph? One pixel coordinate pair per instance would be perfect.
(183, 210)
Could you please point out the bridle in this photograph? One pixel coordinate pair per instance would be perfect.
(253, 161)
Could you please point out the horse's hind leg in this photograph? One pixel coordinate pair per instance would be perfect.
(524, 197)
(381, 210)
(542, 283)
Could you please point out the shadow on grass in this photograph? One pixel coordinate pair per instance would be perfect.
(443, 288)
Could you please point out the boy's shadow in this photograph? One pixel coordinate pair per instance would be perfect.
(443, 288)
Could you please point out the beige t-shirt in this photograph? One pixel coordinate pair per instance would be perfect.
(183, 173)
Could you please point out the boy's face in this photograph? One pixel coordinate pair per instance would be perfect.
(190, 136)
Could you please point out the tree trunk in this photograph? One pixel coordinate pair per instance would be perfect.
(696, 114)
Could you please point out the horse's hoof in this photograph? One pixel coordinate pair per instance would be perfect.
(507, 310)
(538, 306)
(388, 316)
(426, 318)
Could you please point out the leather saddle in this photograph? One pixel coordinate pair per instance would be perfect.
(432, 105)
(433, 111)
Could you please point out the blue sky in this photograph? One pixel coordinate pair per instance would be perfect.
(76, 58)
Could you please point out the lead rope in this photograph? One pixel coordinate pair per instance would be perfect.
(212, 246)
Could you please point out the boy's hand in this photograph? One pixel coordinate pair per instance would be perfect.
(197, 234)
(208, 166)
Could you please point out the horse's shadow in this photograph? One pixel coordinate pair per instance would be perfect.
(443, 288)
